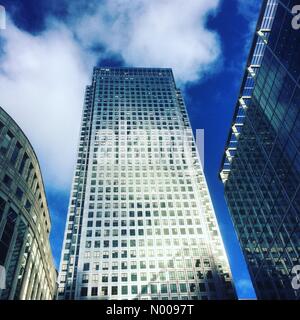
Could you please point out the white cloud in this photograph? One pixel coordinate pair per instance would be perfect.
(164, 33)
(42, 81)
(43, 76)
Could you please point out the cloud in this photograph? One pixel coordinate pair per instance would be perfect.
(160, 33)
(42, 81)
(43, 75)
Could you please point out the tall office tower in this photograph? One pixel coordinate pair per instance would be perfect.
(27, 270)
(141, 224)
(261, 165)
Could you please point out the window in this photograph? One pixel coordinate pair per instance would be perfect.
(183, 287)
(181, 275)
(86, 267)
(133, 277)
(6, 142)
(97, 233)
(144, 289)
(2, 207)
(124, 290)
(28, 205)
(163, 288)
(97, 244)
(114, 278)
(7, 181)
(105, 266)
(153, 288)
(162, 276)
(89, 233)
(88, 244)
(143, 276)
(105, 291)
(134, 290)
(114, 266)
(87, 254)
(7, 235)
(173, 288)
(114, 290)
(85, 278)
(94, 291)
(15, 153)
(29, 171)
(192, 287)
(83, 291)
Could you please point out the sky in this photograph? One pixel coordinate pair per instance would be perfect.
(49, 48)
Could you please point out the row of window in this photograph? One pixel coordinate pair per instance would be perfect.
(185, 252)
(155, 213)
(152, 264)
(147, 289)
(115, 243)
(135, 194)
(150, 242)
(141, 232)
(110, 124)
(140, 222)
(137, 205)
(116, 75)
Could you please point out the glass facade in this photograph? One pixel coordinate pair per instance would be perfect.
(261, 165)
(141, 224)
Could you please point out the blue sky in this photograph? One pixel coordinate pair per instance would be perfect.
(46, 57)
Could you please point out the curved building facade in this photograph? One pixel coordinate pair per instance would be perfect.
(27, 269)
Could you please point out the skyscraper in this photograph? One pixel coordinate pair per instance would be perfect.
(27, 270)
(261, 165)
(140, 224)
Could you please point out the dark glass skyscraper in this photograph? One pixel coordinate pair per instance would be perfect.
(261, 165)
(141, 224)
